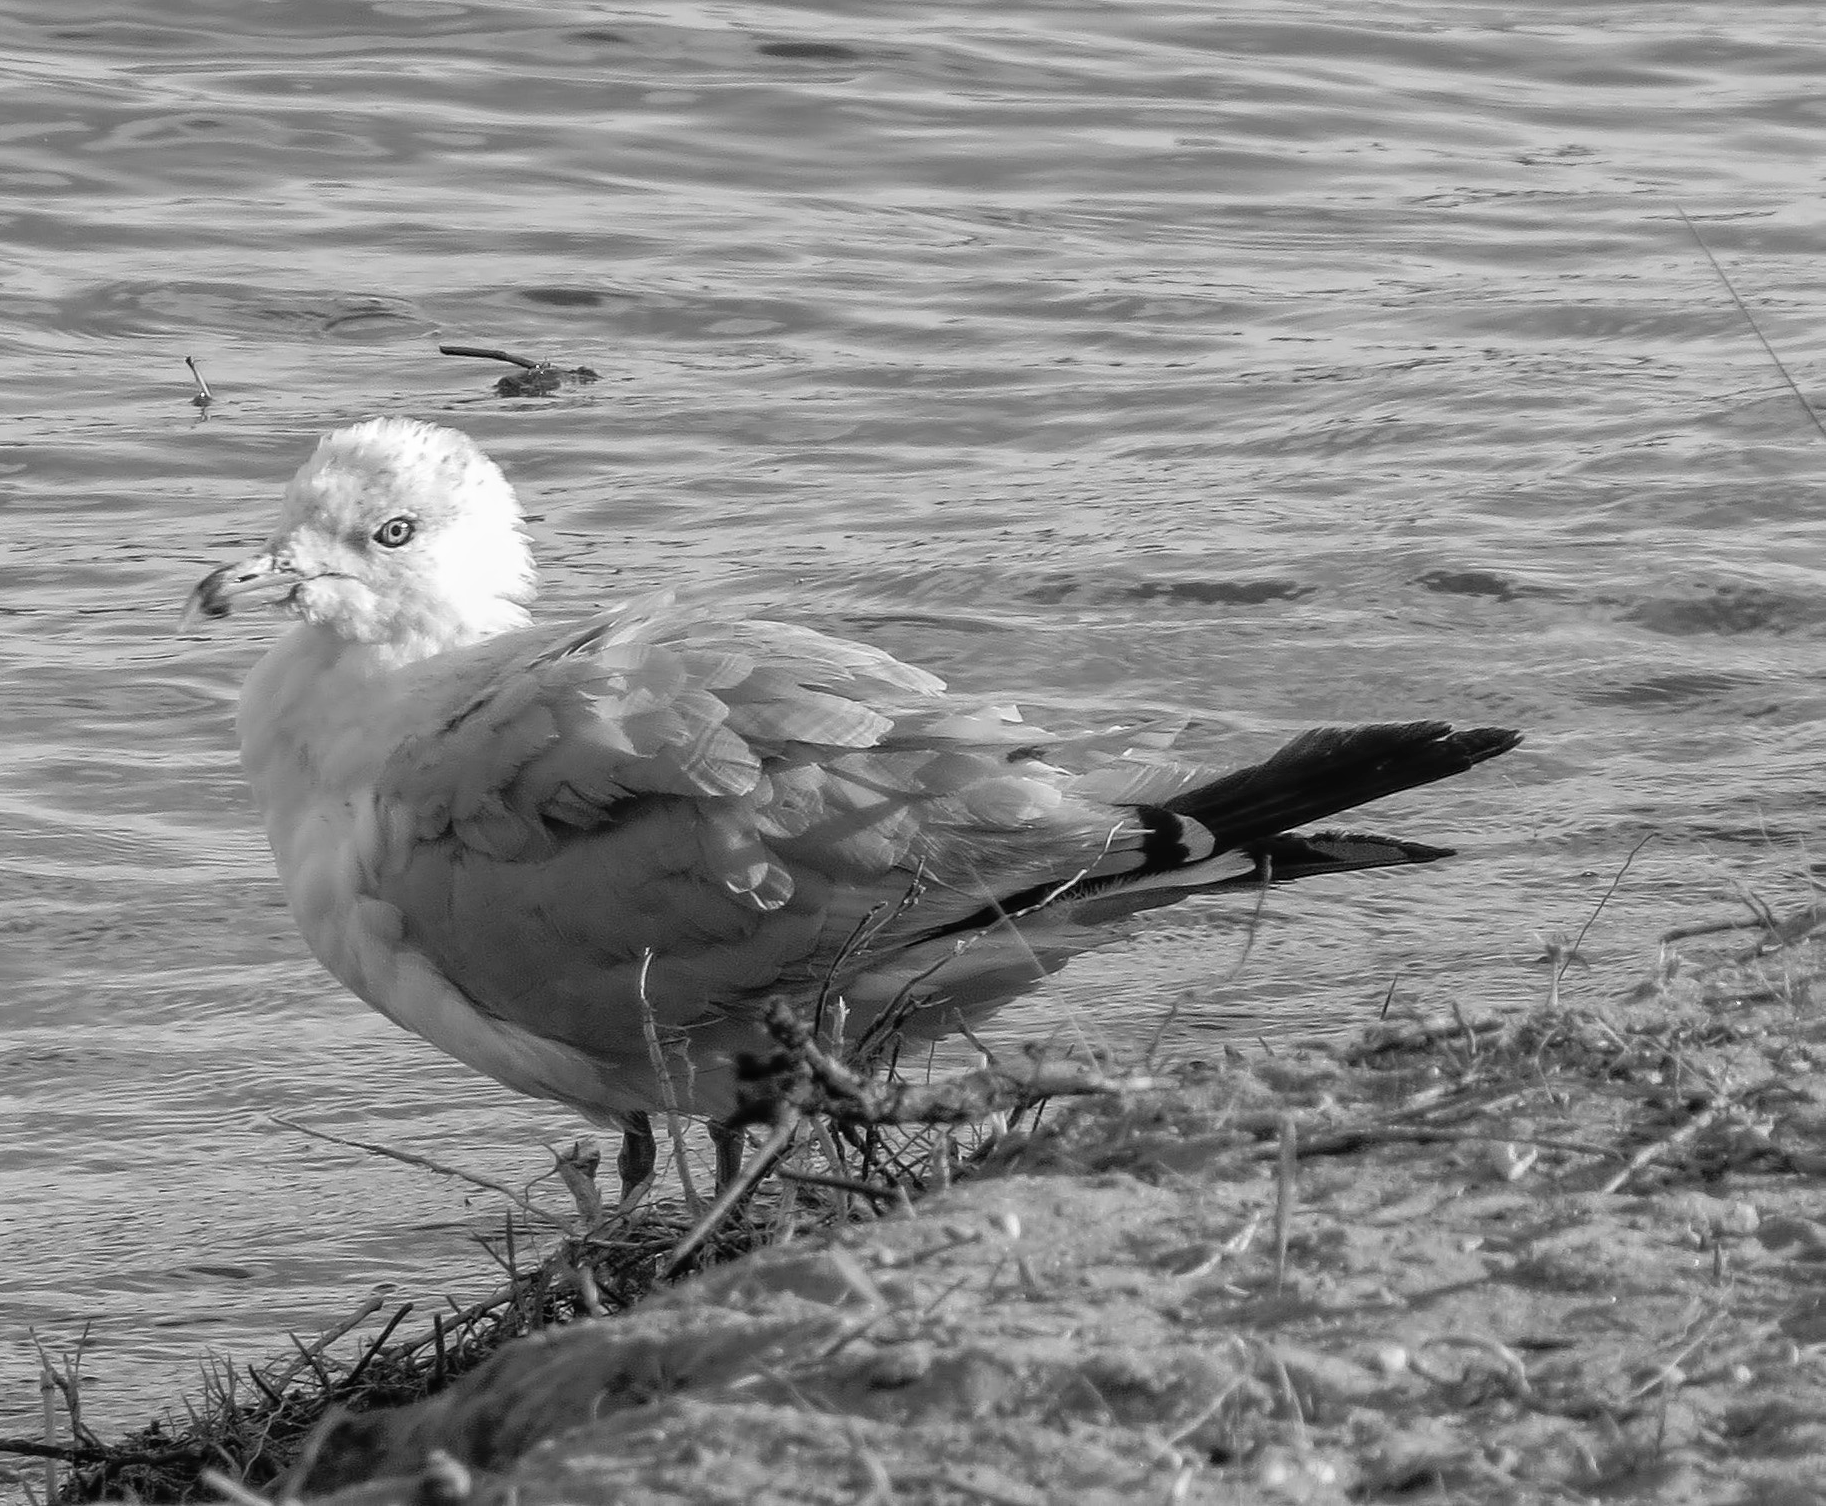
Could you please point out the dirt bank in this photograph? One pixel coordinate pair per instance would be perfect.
(1578, 1254)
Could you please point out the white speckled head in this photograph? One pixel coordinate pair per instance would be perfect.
(397, 534)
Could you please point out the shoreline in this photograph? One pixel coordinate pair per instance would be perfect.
(1570, 1252)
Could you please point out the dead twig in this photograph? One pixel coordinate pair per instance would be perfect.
(68, 1381)
(668, 1091)
(1566, 956)
(489, 353)
(577, 1169)
(95, 1453)
(1779, 930)
(1411, 1035)
(838, 1184)
(1343, 1142)
(373, 1349)
(1673, 1140)
(726, 1200)
(806, 1079)
(309, 1353)
(1286, 1182)
(1750, 319)
(534, 379)
(231, 1489)
(47, 1394)
(412, 1158)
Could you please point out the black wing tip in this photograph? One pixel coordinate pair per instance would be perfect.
(1410, 851)
(1456, 749)
(1479, 743)
(1373, 848)
(1485, 742)
(1472, 745)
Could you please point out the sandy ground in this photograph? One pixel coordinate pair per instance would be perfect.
(1575, 1256)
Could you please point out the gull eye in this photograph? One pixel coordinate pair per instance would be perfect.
(395, 532)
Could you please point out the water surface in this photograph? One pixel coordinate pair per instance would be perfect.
(1125, 359)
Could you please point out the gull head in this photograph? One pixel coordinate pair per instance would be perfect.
(396, 534)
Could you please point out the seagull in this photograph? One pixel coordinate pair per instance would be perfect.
(585, 858)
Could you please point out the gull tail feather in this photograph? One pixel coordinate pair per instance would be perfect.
(1333, 769)
(1234, 832)
(1279, 859)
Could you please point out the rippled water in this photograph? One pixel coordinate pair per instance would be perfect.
(1130, 357)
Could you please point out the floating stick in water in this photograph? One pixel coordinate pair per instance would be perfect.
(534, 379)
(204, 396)
(1750, 319)
(483, 353)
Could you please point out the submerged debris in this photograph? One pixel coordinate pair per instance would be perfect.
(533, 379)
(204, 396)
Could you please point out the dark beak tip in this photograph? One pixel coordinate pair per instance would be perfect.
(206, 601)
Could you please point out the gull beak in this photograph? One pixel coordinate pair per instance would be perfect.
(262, 579)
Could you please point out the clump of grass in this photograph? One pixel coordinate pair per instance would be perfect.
(1669, 1088)
(839, 1153)
(253, 1423)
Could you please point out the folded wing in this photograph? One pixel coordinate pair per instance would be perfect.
(705, 811)
(663, 810)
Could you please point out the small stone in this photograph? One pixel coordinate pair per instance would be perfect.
(900, 1365)
(446, 1480)
(1512, 1162)
(1738, 1218)
(1294, 1476)
(1798, 1238)
(1275, 1470)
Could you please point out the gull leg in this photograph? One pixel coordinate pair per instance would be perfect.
(639, 1154)
(730, 1142)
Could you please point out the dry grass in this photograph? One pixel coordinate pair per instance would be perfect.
(1356, 1167)
(252, 1424)
(251, 1428)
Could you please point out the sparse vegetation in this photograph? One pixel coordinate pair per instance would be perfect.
(1513, 1259)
